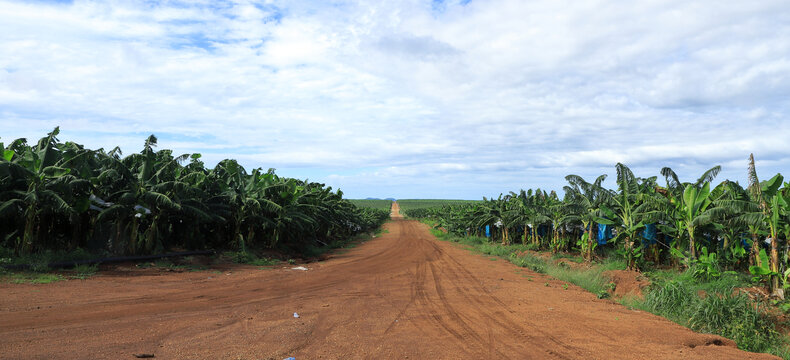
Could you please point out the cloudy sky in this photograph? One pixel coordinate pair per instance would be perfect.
(411, 99)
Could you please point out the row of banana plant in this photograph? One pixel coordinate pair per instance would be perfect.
(694, 223)
(60, 195)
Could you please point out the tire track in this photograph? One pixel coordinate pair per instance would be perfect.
(492, 310)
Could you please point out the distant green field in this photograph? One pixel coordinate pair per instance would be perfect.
(408, 204)
(376, 204)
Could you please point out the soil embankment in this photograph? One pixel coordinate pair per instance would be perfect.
(401, 295)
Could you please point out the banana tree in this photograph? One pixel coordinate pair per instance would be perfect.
(57, 195)
(529, 211)
(626, 212)
(773, 206)
(540, 217)
(521, 212)
(557, 212)
(695, 202)
(740, 210)
(724, 222)
(250, 198)
(293, 216)
(687, 202)
(51, 193)
(585, 201)
(763, 209)
(490, 214)
(141, 189)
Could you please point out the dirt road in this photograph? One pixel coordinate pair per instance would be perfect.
(402, 295)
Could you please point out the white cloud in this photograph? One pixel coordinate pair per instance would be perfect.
(413, 97)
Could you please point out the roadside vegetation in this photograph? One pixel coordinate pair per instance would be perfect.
(372, 203)
(61, 201)
(679, 225)
(708, 249)
(412, 204)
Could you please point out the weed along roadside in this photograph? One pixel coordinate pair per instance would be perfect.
(78, 265)
(720, 306)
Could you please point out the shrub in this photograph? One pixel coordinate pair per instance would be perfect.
(726, 313)
(734, 316)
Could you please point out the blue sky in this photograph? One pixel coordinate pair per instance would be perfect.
(411, 99)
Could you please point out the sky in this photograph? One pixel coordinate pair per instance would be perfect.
(411, 99)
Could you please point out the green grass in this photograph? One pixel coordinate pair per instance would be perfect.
(84, 271)
(720, 310)
(178, 264)
(34, 278)
(249, 258)
(576, 259)
(591, 278)
(724, 283)
(39, 272)
(714, 306)
(39, 262)
(533, 263)
(409, 204)
(375, 204)
(264, 262)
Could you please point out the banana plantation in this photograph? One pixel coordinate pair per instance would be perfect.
(646, 221)
(61, 196)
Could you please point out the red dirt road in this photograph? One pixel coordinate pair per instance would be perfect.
(402, 295)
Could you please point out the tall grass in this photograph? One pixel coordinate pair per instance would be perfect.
(725, 312)
(39, 261)
(591, 279)
(533, 263)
